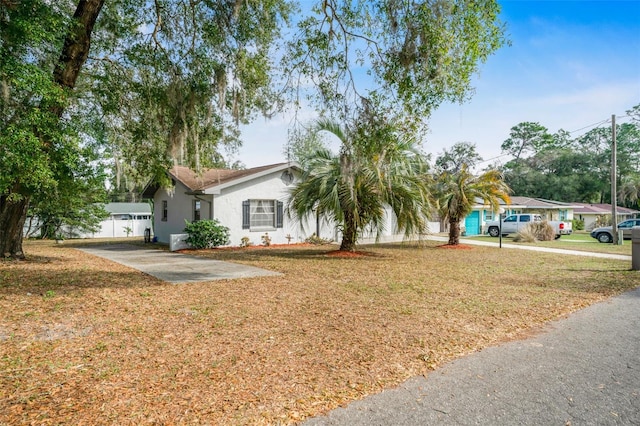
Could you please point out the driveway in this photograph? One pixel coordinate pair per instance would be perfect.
(174, 267)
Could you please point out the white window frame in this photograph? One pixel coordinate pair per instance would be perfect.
(264, 223)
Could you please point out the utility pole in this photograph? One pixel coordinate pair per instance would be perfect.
(614, 189)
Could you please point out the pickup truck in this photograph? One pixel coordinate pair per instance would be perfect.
(515, 222)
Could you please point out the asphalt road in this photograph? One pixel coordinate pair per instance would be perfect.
(582, 370)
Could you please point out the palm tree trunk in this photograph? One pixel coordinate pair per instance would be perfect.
(349, 234)
(454, 232)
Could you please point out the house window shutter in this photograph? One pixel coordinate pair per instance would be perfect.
(246, 214)
(279, 214)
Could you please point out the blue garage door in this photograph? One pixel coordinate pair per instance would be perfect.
(472, 223)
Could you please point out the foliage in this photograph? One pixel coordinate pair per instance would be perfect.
(535, 231)
(206, 234)
(245, 242)
(266, 239)
(417, 54)
(457, 193)
(603, 220)
(142, 82)
(149, 84)
(376, 167)
(577, 224)
(316, 240)
(578, 169)
(460, 154)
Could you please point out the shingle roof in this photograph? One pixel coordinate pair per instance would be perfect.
(538, 203)
(213, 177)
(601, 208)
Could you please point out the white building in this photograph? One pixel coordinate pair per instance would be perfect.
(251, 203)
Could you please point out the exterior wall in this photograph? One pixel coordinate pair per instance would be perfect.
(179, 208)
(228, 210)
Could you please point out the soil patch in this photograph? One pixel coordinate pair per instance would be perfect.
(456, 247)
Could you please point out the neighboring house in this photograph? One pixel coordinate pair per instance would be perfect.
(592, 214)
(251, 203)
(474, 223)
(481, 214)
(125, 220)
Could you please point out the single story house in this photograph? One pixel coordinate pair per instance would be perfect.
(251, 203)
(474, 223)
(593, 214)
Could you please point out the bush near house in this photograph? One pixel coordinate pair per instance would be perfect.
(578, 224)
(206, 234)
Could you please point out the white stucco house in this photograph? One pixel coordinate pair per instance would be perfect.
(251, 203)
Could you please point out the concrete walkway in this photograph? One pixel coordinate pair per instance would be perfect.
(584, 370)
(471, 241)
(175, 268)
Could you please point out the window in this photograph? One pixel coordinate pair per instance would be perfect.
(488, 215)
(511, 219)
(562, 215)
(196, 210)
(262, 214)
(525, 218)
(165, 210)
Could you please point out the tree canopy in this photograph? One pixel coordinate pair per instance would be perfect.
(377, 168)
(574, 169)
(148, 84)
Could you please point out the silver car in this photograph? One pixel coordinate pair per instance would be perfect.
(604, 235)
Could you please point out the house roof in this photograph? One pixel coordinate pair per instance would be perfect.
(539, 203)
(128, 208)
(211, 178)
(601, 208)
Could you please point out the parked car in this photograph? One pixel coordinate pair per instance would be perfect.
(604, 234)
(515, 222)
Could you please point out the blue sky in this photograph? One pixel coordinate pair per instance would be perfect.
(571, 64)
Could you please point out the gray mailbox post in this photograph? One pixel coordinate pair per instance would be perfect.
(635, 248)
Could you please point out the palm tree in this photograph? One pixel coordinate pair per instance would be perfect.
(629, 190)
(457, 193)
(353, 187)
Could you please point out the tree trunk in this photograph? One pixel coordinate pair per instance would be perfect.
(454, 232)
(349, 234)
(12, 218)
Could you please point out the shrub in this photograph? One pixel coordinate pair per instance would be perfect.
(314, 239)
(206, 234)
(578, 224)
(266, 239)
(536, 231)
(245, 242)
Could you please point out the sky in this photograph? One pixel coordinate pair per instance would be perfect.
(570, 65)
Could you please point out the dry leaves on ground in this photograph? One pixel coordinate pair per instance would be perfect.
(87, 341)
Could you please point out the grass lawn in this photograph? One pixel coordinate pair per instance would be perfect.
(87, 341)
(580, 240)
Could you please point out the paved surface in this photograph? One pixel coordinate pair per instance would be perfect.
(471, 241)
(175, 268)
(583, 370)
